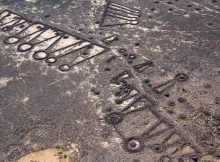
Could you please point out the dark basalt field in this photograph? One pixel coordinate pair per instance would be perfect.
(110, 81)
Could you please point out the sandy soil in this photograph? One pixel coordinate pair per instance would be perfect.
(48, 155)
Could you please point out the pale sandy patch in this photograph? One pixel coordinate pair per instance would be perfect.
(48, 155)
(4, 81)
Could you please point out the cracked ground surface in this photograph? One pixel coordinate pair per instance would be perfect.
(114, 81)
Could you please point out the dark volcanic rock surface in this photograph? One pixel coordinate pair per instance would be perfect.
(114, 81)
